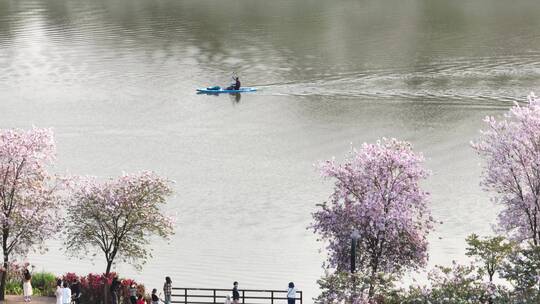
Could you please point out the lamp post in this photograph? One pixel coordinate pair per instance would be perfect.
(355, 235)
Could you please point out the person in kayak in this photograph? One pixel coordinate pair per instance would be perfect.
(236, 85)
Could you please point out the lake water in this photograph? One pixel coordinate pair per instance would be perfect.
(116, 80)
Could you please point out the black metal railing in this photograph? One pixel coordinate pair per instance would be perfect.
(216, 295)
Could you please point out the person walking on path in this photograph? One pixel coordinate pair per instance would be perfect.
(167, 290)
(133, 294)
(27, 285)
(66, 294)
(235, 293)
(291, 293)
(58, 292)
(115, 284)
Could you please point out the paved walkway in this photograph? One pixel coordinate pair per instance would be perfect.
(35, 300)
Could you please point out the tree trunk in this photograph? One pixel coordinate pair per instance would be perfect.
(371, 291)
(106, 297)
(372, 279)
(4, 277)
(105, 293)
(108, 270)
(5, 232)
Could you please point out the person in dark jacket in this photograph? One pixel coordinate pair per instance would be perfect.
(236, 85)
(235, 293)
(76, 292)
(155, 298)
(114, 289)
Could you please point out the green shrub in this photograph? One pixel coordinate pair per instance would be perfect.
(522, 269)
(14, 287)
(44, 283)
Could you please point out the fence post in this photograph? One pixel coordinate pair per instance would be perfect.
(272, 297)
(243, 295)
(214, 296)
(185, 295)
(301, 298)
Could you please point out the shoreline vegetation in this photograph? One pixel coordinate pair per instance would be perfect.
(117, 216)
(374, 226)
(44, 285)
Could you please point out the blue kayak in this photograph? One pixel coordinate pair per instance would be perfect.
(218, 90)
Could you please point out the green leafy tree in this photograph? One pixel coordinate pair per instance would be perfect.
(458, 283)
(522, 269)
(454, 284)
(491, 251)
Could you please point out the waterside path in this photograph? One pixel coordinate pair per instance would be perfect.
(35, 300)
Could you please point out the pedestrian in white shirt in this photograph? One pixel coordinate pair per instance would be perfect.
(58, 292)
(291, 294)
(66, 294)
(27, 285)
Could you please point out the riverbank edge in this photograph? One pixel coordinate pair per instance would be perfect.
(35, 300)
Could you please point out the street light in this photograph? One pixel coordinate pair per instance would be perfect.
(355, 235)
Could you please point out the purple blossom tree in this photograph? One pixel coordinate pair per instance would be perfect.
(28, 200)
(511, 150)
(377, 193)
(118, 217)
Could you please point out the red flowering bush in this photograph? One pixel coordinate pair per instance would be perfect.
(93, 287)
(69, 277)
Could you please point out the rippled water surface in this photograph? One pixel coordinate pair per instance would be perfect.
(116, 79)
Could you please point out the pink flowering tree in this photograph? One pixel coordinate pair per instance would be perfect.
(377, 193)
(118, 217)
(511, 150)
(28, 196)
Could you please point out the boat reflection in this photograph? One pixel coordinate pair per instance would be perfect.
(235, 97)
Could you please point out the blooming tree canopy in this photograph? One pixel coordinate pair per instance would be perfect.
(118, 217)
(376, 193)
(28, 200)
(511, 150)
